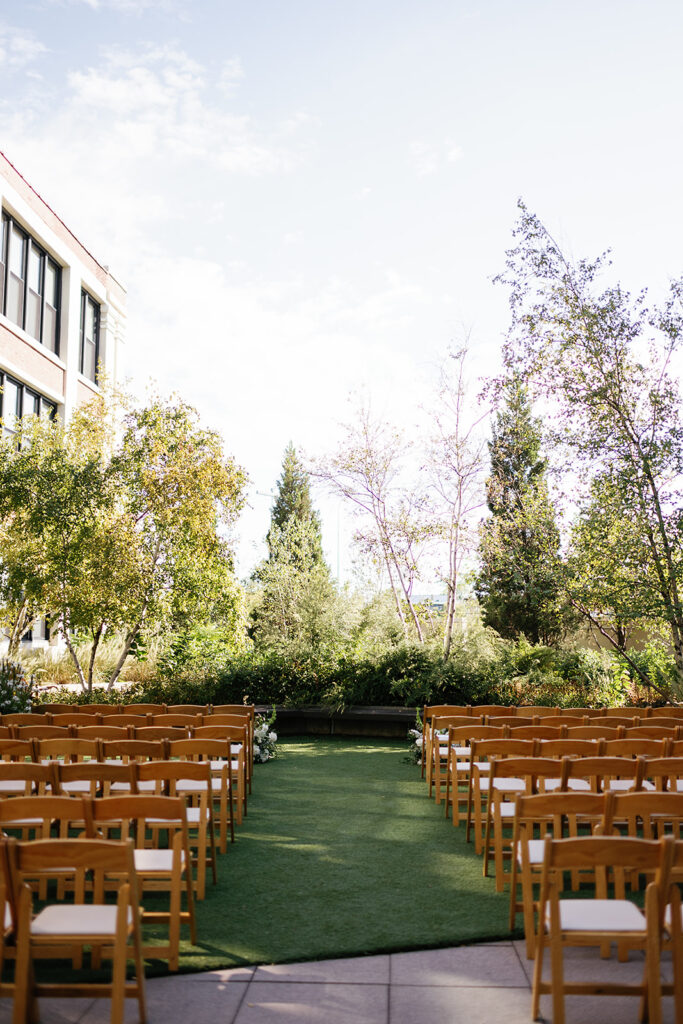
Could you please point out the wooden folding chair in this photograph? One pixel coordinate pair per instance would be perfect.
(659, 730)
(102, 732)
(635, 746)
(190, 779)
(69, 749)
(23, 778)
(188, 709)
(538, 710)
(215, 752)
(158, 870)
(620, 774)
(43, 732)
(437, 749)
(460, 763)
(665, 773)
(508, 777)
(429, 711)
(560, 814)
(541, 731)
(178, 721)
(483, 753)
(566, 747)
(60, 930)
(241, 718)
(601, 920)
(236, 737)
(94, 778)
(17, 750)
(143, 709)
(25, 718)
(129, 751)
(34, 817)
(593, 732)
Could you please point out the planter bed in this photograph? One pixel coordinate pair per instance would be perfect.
(319, 720)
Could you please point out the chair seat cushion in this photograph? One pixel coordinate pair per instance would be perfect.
(150, 861)
(81, 919)
(601, 916)
(509, 785)
(536, 848)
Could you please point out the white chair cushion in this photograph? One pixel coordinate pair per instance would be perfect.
(77, 919)
(509, 785)
(12, 786)
(149, 861)
(536, 850)
(600, 916)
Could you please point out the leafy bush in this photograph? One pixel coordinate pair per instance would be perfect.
(16, 690)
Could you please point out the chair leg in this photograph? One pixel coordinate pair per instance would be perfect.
(538, 973)
(118, 980)
(557, 979)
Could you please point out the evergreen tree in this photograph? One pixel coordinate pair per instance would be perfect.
(519, 581)
(293, 506)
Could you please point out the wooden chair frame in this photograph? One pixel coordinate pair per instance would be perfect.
(54, 933)
(565, 923)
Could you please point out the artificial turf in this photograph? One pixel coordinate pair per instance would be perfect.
(342, 854)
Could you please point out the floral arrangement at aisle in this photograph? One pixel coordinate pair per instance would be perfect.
(16, 690)
(265, 738)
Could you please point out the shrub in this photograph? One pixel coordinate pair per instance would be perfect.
(16, 690)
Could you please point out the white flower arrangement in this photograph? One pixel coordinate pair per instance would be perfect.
(265, 739)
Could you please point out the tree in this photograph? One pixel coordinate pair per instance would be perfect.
(293, 502)
(518, 582)
(295, 602)
(126, 530)
(456, 462)
(602, 360)
(366, 470)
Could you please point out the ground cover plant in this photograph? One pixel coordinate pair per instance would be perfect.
(341, 854)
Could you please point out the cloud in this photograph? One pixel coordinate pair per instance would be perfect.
(429, 158)
(18, 48)
(138, 139)
(135, 7)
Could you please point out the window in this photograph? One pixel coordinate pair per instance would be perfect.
(90, 336)
(16, 400)
(30, 285)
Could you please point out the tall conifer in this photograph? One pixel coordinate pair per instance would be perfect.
(519, 583)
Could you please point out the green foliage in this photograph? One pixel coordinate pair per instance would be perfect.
(603, 362)
(108, 533)
(519, 579)
(16, 690)
(293, 505)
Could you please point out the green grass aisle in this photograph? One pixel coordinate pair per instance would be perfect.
(342, 854)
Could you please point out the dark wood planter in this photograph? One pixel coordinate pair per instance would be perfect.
(319, 720)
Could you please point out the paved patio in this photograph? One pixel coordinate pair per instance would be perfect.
(483, 984)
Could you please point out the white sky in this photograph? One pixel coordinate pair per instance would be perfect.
(309, 197)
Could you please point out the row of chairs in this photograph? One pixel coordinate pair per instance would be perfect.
(112, 931)
(558, 841)
(39, 725)
(84, 758)
(209, 800)
(539, 714)
(462, 730)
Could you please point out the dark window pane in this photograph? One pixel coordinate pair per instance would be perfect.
(89, 336)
